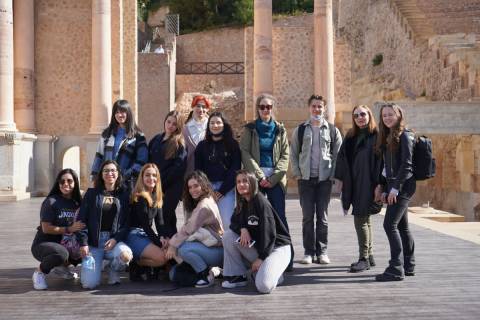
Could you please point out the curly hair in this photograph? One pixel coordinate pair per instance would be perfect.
(390, 138)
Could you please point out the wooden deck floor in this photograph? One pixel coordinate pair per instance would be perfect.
(447, 285)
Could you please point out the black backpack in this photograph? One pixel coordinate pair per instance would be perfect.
(423, 161)
(301, 133)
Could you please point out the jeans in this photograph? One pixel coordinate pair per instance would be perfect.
(51, 255)
(237, 260)
(93, 279)
(199, 256)
(226, 205)
(314, 200)
(399, 238)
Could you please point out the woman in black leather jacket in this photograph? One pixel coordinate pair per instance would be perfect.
(395, 142)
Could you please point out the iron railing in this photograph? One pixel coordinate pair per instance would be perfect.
(210, 68)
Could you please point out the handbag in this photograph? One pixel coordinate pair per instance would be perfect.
(184, 275)
(70, 242)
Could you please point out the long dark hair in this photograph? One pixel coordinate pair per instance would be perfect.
(99, 183)
(189, 203)
(372, 125)
(176, 139)
(227, 135)
(253, 190)
(76, 196)
(390, 138)
(131, 128)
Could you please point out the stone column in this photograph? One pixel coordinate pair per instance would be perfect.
(101, 66)
(6, 66)
(324, 68)
(24, 48)
(262, 46)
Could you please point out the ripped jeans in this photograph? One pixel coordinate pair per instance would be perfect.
(91, 280)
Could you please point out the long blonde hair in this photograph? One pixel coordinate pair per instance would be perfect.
(175, 140)
(141, 191)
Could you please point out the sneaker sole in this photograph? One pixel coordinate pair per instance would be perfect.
(234, 285)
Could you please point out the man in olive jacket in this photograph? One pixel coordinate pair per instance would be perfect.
(314, 148)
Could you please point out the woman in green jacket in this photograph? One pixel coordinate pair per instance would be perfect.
(265, 153)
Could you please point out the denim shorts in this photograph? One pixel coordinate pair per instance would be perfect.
(137, 240)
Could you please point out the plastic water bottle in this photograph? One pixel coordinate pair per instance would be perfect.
(88, 272)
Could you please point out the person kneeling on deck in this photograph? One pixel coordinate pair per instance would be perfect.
(257, 235)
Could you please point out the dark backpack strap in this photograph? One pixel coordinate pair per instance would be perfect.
(301, 133)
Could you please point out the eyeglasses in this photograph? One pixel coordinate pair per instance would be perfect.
(107, 171)
(63, 181)
(359, 115)
(265, 106)
(201, 106)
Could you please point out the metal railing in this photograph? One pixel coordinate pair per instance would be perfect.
(210, 68)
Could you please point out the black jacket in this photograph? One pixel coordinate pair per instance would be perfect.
(399, 166)
(142, 216)
(359, 169)
(263, 224)
(91, 215)
(218, 163)
(171, 170)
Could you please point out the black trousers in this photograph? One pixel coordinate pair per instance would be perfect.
(51, 255)
(171, 198)
(398, 233)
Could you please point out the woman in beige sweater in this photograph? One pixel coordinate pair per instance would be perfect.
(198, 242)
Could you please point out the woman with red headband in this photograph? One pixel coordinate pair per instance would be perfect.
(195, 128)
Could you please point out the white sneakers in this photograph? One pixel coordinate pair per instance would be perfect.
(39, 282)
(65, 273)
(323, 259)
(307, 259)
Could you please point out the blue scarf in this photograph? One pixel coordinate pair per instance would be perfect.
(266, 136)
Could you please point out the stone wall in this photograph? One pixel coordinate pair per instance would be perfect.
(208, 83)
(220, 45)
(153, 89)
(63, 66)
(410, 69)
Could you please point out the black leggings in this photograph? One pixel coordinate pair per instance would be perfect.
(51, 255)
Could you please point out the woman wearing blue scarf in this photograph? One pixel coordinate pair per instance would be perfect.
(265, 152)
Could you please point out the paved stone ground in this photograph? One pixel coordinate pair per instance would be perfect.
(447, 284)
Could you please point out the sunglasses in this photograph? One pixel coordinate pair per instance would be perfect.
(106, 171)
(359, 115)
(63, 181)
(265, 106)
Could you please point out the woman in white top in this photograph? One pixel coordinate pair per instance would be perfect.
(195, 128)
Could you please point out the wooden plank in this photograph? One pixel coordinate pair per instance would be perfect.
(447, 284)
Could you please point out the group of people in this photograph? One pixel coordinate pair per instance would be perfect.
(234, 218)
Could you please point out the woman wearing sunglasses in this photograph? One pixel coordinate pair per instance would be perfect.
(195, 128)
(265, 152)
(358, 168)
(57, 218)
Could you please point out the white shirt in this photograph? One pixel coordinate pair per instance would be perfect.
(197, 129)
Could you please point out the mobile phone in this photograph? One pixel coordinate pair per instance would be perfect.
(250, 244)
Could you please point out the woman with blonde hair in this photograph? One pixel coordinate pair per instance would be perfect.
(396, 143)
(357, 169)
(167, 151)
(146, 209)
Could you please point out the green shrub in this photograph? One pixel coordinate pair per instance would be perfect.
(377, 60)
